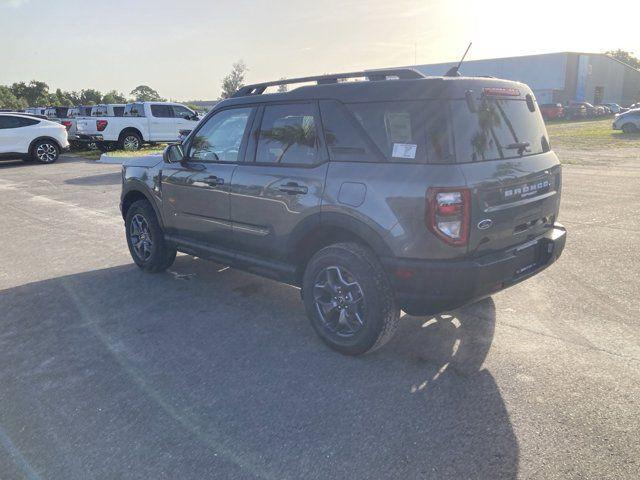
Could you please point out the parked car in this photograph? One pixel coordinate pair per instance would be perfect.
(375, 208)
(143, 122)
(575, 111)
(73, 114)
(589, 109)
(614, 107)
(552, 111)
(35, 110)
(29, 138)
(56, 113)
(628, 122)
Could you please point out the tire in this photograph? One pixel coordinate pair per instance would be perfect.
(155, 256)
(130, 141)
(106, 146)
(629, 128)
(363, 314)
(45, 151)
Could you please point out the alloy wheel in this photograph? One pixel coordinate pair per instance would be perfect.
(131, 142)
(46, 152)
(140, 237)
(339, 301)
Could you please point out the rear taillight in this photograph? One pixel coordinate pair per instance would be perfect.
(449, 214)
(101, 125)
(67, 124)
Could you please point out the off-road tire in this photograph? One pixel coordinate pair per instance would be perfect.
(380, 312)
(162, 255)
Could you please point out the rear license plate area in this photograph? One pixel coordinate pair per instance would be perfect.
(529, 259)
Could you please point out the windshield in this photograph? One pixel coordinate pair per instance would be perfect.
(499, 129)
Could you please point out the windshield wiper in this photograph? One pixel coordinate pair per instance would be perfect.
(520, 146)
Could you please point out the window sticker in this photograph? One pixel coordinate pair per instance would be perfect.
(404, 150)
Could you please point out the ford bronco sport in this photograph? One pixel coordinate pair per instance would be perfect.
(394, 192)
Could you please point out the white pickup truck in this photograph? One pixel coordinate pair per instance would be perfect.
(143, 122)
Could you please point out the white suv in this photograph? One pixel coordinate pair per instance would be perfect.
(29, 138)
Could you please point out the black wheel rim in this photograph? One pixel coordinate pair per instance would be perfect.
(339, 301)
(140, 237)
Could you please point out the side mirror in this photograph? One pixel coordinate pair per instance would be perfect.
(173, 153)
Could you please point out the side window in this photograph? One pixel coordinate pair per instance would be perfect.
(288, 135)
(182, 112)
(134, 110)
(7, 122)
(343, 139)
(220, 138)
(161, 111)
(397, 128)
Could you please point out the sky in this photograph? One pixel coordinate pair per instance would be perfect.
(183, 48)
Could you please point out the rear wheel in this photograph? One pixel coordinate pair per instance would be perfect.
(349, 300)
(630, 128)
(130, 141)
(145, 239)
(45, 151)
(106, 146)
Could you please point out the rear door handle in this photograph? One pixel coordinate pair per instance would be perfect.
(213, 181)
(293, 188)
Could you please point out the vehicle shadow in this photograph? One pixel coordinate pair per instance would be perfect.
(205, 369)
(114, 178)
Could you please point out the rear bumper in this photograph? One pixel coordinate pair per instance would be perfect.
(83, 137)
(425, 287)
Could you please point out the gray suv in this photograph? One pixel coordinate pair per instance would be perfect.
(393, 192)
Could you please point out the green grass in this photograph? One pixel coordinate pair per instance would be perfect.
(589, 135)
(95, 154)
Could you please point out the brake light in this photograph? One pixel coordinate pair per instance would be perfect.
(101, 125)
(449, 214)
(67, 124)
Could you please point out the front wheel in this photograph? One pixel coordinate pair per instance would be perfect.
(45, 151)
(629, 128)
(145, 239)
(349, 300)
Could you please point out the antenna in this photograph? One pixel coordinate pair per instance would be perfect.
(454, 71)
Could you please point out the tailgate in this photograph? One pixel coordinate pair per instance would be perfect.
(86, 126)
(514, 200)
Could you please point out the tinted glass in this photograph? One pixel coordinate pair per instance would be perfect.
(288, 135)
(16, 122)
(220, 139)
(134, 110)
(100, 111)
(500, 129)
(408, 131)
(161, 111)
(342, 136)
(118, 111)
(182, 112)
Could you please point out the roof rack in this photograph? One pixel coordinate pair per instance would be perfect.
(372, 75)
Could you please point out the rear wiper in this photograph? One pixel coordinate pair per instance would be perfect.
(520, 146)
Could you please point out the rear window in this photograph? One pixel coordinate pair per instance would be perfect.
(118, 111)
(500, 129)
(134, 110)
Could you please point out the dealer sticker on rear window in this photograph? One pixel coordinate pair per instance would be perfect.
(404, 150)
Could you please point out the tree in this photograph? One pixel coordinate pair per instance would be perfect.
(9, 100)
(90, 97)
(143, 93)
(34, 93)
(234, 81)
(626, 57)
(113, 97)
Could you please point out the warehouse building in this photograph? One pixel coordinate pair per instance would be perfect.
(559, 77)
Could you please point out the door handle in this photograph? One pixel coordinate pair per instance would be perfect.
(293, 189)
(213, 181)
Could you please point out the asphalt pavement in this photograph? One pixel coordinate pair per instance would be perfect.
(207, 372)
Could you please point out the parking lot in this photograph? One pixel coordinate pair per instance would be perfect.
(208, 372)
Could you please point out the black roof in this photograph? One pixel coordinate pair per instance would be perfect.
(406, 86)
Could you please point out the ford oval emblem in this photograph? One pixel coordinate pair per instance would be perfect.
(484, 224)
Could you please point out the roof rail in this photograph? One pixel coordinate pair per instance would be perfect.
(372, 75)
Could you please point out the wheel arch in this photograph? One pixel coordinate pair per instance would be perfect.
(135, 193)
(44, 137)
(126, 130)
(325, 229)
